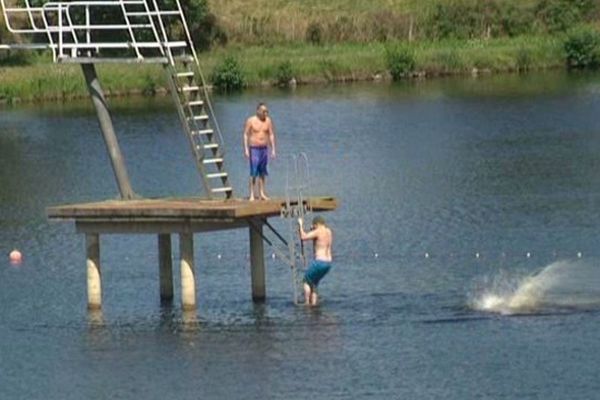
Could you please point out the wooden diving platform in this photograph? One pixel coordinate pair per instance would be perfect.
(182, 216)
(171, 215)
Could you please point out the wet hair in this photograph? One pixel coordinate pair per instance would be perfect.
(318, 220)
(260, 104)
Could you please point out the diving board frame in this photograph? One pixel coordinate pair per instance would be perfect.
(139, 33)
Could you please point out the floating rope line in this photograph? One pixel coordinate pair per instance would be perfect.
(479, 255)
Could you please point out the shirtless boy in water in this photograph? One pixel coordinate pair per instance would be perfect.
(322, 238)
(259, 134)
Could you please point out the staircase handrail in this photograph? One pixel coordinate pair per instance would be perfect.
(216, 127)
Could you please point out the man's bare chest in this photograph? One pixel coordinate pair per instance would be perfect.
(259, 126)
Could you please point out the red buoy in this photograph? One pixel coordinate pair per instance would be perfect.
(15, 257)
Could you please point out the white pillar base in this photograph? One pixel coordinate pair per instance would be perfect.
(94, 276)
(188, 281)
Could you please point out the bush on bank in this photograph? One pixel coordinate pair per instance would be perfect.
(400, 61)
(228, 75)
(582, 48)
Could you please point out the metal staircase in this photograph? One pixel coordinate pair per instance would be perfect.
(195, 112)
(134, 31)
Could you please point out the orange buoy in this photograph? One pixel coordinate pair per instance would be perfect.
(15, 256)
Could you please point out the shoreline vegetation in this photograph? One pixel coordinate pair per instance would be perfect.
(286, 43)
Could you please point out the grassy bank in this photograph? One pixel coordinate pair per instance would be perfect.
(276, 21)
(341, 62)
(45, 81)
(306, 63)
(266, 42)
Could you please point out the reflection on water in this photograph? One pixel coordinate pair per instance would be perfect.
(95, 318)
(493, 178)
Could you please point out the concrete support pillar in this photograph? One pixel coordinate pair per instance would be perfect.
(94, 277)
(188, 281)
(257, 262)
(165, 266)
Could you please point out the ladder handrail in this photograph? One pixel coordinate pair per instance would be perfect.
(130, 29)
(297, 208)
(278, 252)
(199, 72)
(183, 119)
(163, 31)
(301, 182)
(266, 222)
(154, 31)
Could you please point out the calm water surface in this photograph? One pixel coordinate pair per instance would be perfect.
(466, 256)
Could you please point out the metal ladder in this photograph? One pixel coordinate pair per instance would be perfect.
(139, 31)
(297, 205)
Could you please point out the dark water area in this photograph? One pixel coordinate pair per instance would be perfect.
(465, 258)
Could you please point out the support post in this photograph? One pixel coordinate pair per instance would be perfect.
(94, 276)
(257, 262)
(108, 131)
(165, 266)
(188, 282)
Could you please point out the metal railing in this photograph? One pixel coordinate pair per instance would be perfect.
(297, 186)
(136, 29)
(297, 205)
(81, 26)
(76, 26)
(13, 13)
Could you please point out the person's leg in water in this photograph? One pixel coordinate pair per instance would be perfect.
(314, 297)
(316, 271)
(310, 295)
(307, 293)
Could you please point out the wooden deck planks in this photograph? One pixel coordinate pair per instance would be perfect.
(179, 208)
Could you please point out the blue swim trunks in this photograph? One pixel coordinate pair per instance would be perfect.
(316, 271)
(259, 157)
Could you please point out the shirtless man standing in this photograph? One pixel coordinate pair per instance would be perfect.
(322, 238)
(258, 136)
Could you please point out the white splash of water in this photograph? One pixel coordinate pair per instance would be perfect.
(560, 285)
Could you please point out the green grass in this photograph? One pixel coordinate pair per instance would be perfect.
(276, 21)
(263, 21)
(42, 80)
(265, 35)
(340, 62)
(309, 64)
(495, 55)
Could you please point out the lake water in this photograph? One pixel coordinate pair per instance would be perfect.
(466, 255)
